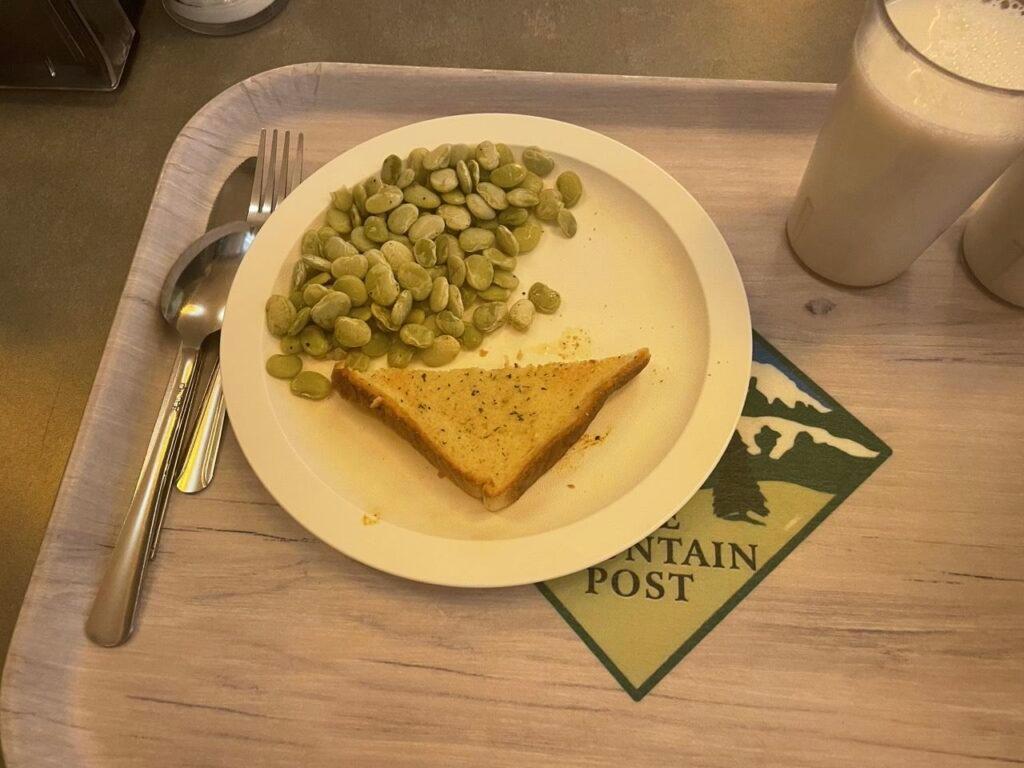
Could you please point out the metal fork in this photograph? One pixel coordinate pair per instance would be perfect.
(273, 182)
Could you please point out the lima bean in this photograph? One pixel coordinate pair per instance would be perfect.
(402, 217)
(495, 293)
(444, 180)
(522, 198)
(389, 198)
(316, 263)
(438, 294)
(332, 306)
(507, 280)
(338, 221)
(509, 175)
(490, 316)
(395, 254)
(455, 304)
(479, 207)
(450, 323)
(421, 197)
(382, 285)
(444, 349)
(280, 314)
(314, 342)
(311, 385)
(500, 261)
(377, 346)
(513, 217)
(538, 161)
(400, 354)
(311, 294)
(351, 332)
(567, 223)
(520, 314)
(428, 225)
(476, 239)
(528, 235)
(456, 218)
(479, 271)
(471, 337)
(284, 366)
(425, 252)
(545, 299)
(299, 323)
(571, 187)
(335, 248)
(439, 157)
(359, 239)
(444, 244)
(505, 154)
(487, 155)
(356, 265)
(341, 198)
(390, 169)
(352, 287)
(376, 229)
(418, 336)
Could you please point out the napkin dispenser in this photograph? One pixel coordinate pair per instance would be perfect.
(77, 44)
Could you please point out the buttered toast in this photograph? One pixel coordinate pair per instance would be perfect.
(492, 431)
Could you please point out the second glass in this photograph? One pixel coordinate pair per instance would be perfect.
(909, 144)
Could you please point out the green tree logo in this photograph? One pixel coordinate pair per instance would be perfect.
(737, 495)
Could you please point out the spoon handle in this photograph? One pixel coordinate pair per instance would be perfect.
(112, 618)
(201, 459)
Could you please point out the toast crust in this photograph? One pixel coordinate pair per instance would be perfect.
(360, 389)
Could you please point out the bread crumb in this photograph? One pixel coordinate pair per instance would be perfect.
(483, 353)
(375, 403)
(370, 518)
(570, 485)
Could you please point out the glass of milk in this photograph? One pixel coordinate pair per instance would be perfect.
(994, 237)
(930, 113)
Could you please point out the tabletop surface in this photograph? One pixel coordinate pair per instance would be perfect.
(76, 191)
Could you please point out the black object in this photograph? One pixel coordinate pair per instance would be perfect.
(77, 44)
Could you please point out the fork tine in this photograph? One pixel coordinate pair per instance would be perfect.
(270, 179)
(281, 182)
(257, 180)
(295, 178)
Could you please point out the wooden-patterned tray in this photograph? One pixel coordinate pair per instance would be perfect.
(891, 637)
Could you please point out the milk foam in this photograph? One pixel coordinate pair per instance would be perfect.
(982, 40)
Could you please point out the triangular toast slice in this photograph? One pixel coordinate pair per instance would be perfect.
(492, 431)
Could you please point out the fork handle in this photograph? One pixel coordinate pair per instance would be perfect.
(112, 618)
(201, 460)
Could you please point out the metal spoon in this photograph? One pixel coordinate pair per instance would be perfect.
(192, 300)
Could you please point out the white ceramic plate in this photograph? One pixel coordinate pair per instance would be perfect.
(647, 268)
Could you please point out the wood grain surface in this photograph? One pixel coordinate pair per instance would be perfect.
(893, 636)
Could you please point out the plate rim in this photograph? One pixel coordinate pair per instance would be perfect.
(540, 556)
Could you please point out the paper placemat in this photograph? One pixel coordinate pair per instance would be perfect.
(795, 456)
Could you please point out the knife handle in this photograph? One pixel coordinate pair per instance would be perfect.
(201, 460)
(112, 618)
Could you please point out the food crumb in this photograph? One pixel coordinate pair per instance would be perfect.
(570, 485)
(483, 353)
(370, 518)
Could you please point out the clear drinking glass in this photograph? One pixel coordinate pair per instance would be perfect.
(994, 237)
(909, 143)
